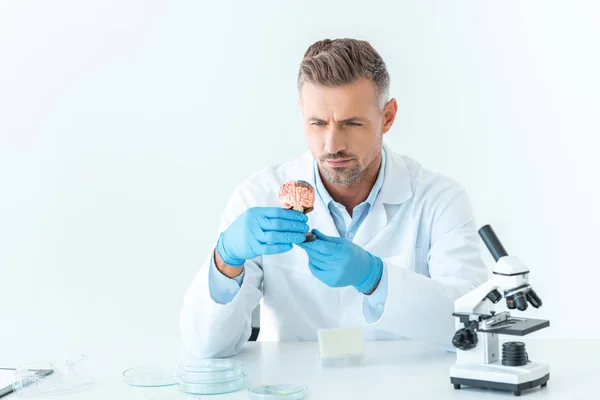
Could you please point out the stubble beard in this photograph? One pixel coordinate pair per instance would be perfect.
(343, 175)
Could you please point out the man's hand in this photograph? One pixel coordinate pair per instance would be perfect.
(337, 262)
(259, 231)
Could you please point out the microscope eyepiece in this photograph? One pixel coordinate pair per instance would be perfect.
(492, 242)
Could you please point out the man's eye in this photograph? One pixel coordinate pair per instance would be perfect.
(354, 124)
(318, 123)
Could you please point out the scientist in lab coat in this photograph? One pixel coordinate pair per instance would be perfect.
(396, 243)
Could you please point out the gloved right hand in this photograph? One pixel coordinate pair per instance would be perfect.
(261, 231)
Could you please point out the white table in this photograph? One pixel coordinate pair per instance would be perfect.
(392, 370)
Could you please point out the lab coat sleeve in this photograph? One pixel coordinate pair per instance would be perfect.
(375, 302)
(419, 307)
(211, 329)
(222, 288)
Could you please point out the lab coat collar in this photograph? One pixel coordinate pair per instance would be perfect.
(396, 190)
(397, 185)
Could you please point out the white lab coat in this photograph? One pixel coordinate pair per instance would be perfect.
(421, 225)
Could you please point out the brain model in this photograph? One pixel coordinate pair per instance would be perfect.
(298, 195)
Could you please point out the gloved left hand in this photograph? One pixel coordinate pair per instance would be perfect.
(338, 262)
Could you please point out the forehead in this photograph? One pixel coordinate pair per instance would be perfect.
(359, 97)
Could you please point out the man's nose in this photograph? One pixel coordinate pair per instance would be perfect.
(334, 141)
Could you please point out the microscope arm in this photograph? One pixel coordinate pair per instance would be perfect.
(477, 301)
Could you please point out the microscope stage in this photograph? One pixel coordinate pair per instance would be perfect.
(517, 326)
(512, 326)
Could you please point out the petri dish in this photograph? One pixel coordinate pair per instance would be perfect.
(281, 391)
(150, 376)
(213, 388)
(210, 371)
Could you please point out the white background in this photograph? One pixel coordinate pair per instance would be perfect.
(124, 125)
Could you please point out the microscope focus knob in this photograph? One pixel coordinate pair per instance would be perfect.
(465, 338)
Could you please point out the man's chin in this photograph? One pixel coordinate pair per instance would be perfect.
(340, 179)
(343, 175)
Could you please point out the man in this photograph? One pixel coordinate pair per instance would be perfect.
(396, 244)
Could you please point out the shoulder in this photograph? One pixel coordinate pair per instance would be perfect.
(429, 185)
(434, 194)
(439, 201)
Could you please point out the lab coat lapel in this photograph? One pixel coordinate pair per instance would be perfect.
(395, 190)
(374, 222)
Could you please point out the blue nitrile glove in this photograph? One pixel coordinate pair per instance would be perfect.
(338, 262)
(261, 231)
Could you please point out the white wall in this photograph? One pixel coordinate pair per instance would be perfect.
(123, 125)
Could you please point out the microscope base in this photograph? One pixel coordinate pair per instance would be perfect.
(498, 376)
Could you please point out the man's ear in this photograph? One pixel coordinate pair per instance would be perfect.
(389, 115)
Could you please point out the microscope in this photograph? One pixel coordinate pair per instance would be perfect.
(479, 362)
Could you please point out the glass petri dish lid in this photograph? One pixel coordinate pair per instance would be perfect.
(213, 388)
(281, 391)
(150, 376)
(210, 371)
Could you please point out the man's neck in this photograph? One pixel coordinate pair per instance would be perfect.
(355, 193)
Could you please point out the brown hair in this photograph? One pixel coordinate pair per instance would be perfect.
(342, 61)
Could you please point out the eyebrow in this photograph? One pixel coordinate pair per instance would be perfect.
(352, 119)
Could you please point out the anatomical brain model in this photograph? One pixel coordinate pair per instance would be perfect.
(300, 196)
